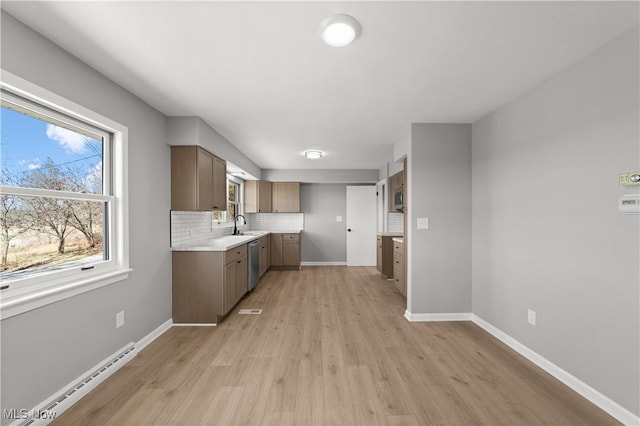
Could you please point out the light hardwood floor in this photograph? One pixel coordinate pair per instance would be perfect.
(331, 347)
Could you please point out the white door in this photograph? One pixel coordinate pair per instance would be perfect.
(361, 225)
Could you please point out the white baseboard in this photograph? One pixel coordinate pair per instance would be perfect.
(142, 343)
(462, 316)
(606, 404)
(46, 415)
(323, 263)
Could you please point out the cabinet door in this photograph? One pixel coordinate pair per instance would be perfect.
(205, 180)
(291, 253)
(219, 184)
(183, 178)
(264, 197)
(286, 197)
(379, 253)
(230, 284)
(276, 249)
(242, 277)
(265, 251)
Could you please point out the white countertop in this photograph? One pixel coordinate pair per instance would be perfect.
(227, 242)
(390, 234)
(399, 240)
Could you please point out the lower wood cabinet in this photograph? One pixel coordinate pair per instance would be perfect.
(285, 250)
(399, 278)
(384, 256)
(265, 254)
(206, 285)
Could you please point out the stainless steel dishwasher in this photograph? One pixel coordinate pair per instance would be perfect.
(254, 263)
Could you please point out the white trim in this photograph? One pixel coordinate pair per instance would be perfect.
(58, 285)
(70, 401)
(142, 343)
(37, 192)
(323, 263)
(462, 316)
(200, 324)
(14, 305)
(606, 404)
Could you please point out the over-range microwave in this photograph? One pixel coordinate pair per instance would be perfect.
(398, 198)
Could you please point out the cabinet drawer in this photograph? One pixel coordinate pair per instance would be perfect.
(235, 254)
(398, 247)
(291, 237)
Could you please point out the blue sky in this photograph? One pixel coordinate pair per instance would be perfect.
(26, 143)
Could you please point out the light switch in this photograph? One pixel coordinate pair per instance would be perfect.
(423, 223)
(338, 218)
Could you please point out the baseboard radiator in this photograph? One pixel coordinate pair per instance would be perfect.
(55, 406)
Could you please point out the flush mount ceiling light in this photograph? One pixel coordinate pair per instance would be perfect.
(313, 154)
(339, 30)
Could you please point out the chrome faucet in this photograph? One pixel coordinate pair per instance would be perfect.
(235, 224)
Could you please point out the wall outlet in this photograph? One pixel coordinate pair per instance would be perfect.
(423, 223)
(119, 319)
(531, 317)
(338, 218)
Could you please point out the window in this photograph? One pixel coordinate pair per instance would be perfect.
(233, 197)
(62, 198)
(235, 189)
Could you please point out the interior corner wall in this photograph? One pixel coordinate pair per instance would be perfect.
(547, 233)
(439, 186)
(323, 239)
(46, 348)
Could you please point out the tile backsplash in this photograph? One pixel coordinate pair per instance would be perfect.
(277, 221)
(189, 227)
(396, 222)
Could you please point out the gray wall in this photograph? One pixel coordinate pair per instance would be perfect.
(547, 234)
(195, 131)
(324, 239)
(354, 176)
(439, 181)
(44, 349)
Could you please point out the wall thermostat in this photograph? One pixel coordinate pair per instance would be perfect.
(629, 204)
(629, 179)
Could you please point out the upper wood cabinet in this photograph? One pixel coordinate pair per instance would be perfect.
(198, 179)
(257, 196)
(286, 197)
(395, 181)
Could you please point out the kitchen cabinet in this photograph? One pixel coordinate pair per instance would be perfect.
(198, 179)
(285, 251)
(257, 196)
(286, 197)
(399, 278)
(265, 254)
(206, 285)
(384, 258)
(395, 181)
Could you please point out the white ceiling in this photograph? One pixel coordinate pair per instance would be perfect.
(260, 75)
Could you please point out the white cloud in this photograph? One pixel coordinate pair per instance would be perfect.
(34, 166)
(93, 179)
(71, 141)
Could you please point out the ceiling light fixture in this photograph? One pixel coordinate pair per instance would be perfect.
(339, 30)
(237, 174)
(313, 154)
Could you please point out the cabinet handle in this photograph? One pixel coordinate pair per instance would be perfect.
(239, 261)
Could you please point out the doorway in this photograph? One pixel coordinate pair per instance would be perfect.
(361, 225)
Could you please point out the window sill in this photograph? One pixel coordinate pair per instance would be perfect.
(11, 306)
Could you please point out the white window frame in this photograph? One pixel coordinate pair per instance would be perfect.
(32, 292)
(227, 221)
